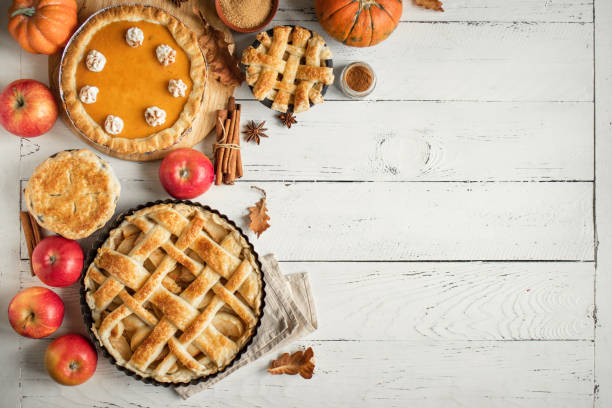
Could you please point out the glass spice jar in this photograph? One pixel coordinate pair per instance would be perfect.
(357, 80)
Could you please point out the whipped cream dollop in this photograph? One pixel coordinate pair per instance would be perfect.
(95, 61)
(134, 37)
(88, 94)
(155, 116)
(177, 88)
(113, 125)
(166, 55)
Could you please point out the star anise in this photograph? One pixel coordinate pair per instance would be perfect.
(178, 3)
(255, 131)
(288, 119)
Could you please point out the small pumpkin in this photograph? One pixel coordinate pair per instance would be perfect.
(42, 26)
(359, 23)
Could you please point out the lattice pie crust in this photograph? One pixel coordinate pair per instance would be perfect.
(175, 293)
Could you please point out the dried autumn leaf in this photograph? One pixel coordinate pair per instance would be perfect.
(298, 362)
(430, 4)
(219, 54)
(259, 215)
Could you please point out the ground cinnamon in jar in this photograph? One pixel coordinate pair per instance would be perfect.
(359, 78)
(246, 13)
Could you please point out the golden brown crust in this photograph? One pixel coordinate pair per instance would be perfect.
(76, 50)
(178, 336)
(301, 81)
(73, 193)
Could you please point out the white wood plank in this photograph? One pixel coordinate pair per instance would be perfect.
(490, 61)
(407, 221)
(455, 301)
(603, 203)
(470, 10)
(414, 301)
(9, 229)
(474, 141)
(460, 61)
(372, 374)
(473, 61)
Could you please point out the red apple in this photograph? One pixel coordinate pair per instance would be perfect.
(186, 173)
(71, 359)
(36, 312)
(27, 108)
(57, 261)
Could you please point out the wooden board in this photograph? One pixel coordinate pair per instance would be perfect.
(449, 221)
(216, 94)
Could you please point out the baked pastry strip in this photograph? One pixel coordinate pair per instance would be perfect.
(179, 311)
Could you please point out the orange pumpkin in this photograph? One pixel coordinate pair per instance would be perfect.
(359, 23)
(42, 26)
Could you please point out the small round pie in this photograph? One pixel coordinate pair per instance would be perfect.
(288, 68)
(175, 293)
(132, 79)
(72, 193)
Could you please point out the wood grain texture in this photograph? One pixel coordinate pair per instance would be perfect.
(502, 92)
(9, 228)
(372, 374)
(382, 301)
(422, 358)
(476, 141)
(470, 10)
(603, 202)
(471, 61)
(215, 94)
(452, 301)
(439, 221)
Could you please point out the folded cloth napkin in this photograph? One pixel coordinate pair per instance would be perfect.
(289, 314)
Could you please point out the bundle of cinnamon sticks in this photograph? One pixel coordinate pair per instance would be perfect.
(228, 161)
(32, 233)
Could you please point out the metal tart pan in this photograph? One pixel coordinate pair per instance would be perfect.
(86, 311)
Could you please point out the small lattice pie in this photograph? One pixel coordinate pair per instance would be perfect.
(72, 193)
(289, 68)
(175, 293)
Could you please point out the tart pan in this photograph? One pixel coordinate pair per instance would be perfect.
(86, 311)
(268, 102)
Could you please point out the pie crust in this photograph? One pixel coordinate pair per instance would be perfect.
(72, 193)
(288, 68)
(78, 48)
(175, 292)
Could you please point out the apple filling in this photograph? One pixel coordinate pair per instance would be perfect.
(130, 332)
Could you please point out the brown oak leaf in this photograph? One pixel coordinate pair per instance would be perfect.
(299, 362)
(430, 4)
(259, 215)
(219, 54)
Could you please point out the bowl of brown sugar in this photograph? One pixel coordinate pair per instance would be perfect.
(246, 16)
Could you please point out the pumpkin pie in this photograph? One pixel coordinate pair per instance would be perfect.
(132, 79)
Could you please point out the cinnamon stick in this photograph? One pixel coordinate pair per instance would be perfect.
(234, 152)
(221, 117)
(225, 150)
(35, 229)
(230, 136)
(31, 231)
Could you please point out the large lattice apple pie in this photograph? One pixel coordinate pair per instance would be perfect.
(175, 292)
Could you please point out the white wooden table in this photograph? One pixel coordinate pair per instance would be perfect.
(456, 224)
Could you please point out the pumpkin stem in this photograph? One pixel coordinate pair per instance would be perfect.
(26, 11)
